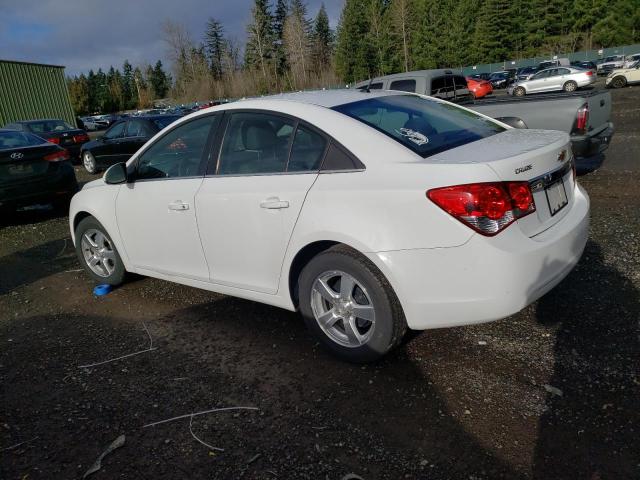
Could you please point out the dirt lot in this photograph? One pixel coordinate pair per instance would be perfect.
(550, 393)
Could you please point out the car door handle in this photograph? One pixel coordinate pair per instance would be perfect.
(274, 203)
(178, 205)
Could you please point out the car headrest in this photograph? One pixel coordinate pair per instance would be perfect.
(419, 124)
(258, 134)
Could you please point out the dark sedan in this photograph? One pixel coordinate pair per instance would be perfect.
(587, 65)
(34, 171)
(122, 140)
(54, 131)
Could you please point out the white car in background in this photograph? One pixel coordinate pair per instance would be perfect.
(368, 212)
(624, 76)
(556, 79)
(631, 60)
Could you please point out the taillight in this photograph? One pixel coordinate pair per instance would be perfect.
(59, 156)
(83, 137)
(488, 208)
(582, 118)
(55, 140)
(589, 73)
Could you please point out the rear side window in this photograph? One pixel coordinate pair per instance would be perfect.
(48, 126)
(11, 140)
(425, 126)
(408, 85)
(13, 126)
(307, 150)
(255, 143)
(564, 71)
(338, 159)
(138, 128)
(163, 122)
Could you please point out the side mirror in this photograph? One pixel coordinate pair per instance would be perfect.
(116, 174)
(514, 122)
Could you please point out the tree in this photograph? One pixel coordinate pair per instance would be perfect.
(279, 18)
(401, 16)
(215, 46)
(79, 94)
(355, 55)
(158, 80)
(322, 39)
(492, 37)
(129, 91)
(297, 43)
(259, 48)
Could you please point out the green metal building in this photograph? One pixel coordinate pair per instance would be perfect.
(30, 91)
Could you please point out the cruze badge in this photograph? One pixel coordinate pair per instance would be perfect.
(524, 169)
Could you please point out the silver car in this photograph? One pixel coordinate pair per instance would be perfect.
(554, 79)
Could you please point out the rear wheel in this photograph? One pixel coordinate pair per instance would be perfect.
(89, 163)
(619, 81)
(349, 305)
(570, 86)
(519, 92)
(97, 253)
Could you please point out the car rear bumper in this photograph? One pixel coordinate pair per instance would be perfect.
(487, 278)
(43, 189)
(585, 146)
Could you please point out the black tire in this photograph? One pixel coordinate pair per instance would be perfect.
(390, 323)
(618, 82)
(89, 162)
(519, 92)
(117, 276)
(570, 86)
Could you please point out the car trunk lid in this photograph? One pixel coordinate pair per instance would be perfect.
(542, 158)
(24, 163)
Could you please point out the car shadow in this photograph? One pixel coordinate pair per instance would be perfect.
(32, 214)
(590, 427)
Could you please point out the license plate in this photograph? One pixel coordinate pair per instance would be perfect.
(556, 197)
(20, 169)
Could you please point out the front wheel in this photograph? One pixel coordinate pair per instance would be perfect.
(519, 92)
(97, 253)
(349, 305)
(618, 82)
(570, 86)
(89, 162)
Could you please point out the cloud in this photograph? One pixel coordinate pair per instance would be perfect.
(85, 34)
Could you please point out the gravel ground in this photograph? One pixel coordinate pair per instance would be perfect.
(549, 393)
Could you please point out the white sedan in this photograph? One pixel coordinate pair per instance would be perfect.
(567, 79)
(368, 212)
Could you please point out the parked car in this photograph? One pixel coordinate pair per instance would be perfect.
(610, 63)
(480, 76)
(525, 73)
(54, 131)
(501, 79)
(584, 115)
(624, 76)
(431, 197)
(631, 60)
(110, 119)
(587, 65)
(446, 84)
(90, 124)
(479, 88)
(34, 171)
(567, 79)
(558, 62)
(122, 140)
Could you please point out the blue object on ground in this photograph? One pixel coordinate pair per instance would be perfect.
(101, 290)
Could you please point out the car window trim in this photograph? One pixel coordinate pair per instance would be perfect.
(204, 158)
(213, 167)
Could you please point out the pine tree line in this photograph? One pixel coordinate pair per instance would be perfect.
(383, 36)
(100, 92)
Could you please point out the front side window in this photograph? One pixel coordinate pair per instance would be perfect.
(138, 128)
(179, 152)
(408, 85)
(255, 143)
(425, 126)
(116, 131)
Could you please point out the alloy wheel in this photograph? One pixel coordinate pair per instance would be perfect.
(343, 309)
(98, 252)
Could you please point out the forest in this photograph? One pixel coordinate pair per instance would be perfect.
(287, 47)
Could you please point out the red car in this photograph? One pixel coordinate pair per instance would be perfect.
(479, 88)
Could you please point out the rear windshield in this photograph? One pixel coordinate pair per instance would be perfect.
(423, 125)
(10, 140)
(46, 126)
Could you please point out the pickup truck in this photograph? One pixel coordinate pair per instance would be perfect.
(585, 115)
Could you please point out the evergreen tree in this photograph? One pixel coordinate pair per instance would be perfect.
(355, 55)
(159, 81)
(297, 43)
(129, 92)
(322, 40)
(258, 52)
(215, 47)
(492, 36)
(279, 18)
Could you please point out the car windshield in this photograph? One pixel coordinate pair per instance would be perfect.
(46, 126)
(11, 140)
(425, 126)
(162, 122)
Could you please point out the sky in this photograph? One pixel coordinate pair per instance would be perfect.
(85, 34)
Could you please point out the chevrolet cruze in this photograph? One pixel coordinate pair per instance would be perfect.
(370, 213)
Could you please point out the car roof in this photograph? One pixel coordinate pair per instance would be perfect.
(330, 98)
(40, 120)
